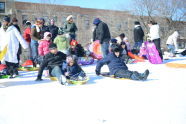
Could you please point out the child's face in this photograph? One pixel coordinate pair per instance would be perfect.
(54, 51)
(117, 54)
(71, 63)
(73, 47)
(48, 38)
(123, 46)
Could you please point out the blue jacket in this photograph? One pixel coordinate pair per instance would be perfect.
(114, 63)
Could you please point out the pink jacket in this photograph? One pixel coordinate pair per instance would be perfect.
(43, 47)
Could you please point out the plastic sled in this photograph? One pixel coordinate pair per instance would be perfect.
(107, 74)
(4, 76)
(2, 66)
(176, 65)
(136, 57)
(152, 53)
(95, 49)
(28, 69)
(85, 60)
(72, 81)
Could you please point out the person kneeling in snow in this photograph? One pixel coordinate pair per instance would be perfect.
(118, 68)
(53, 61)
(73, 71)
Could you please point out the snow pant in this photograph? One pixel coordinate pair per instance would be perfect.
(105, 49)
(11, 68)
(157, 43)
(137, 45)
(34, 49)
(57, 72)
(133, 75)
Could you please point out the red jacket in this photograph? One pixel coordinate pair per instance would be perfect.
(26, 34)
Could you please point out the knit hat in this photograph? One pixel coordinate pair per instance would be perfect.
(122, 35)
(6, 18)
(73, 43)
(113, 40)
(116, 49)
(137, 23)
(47, 34)
(123, 43)
(125, 39)
(52, 46)
(69, 17)
(28, 23)
(96, 21)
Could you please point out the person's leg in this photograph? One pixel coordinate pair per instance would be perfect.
(133, 75)
(157, 43)
(105, 49)
(34, 47)
(56, 72)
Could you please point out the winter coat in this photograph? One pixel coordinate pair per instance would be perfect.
(50, 61)
(11, 38)
(138, 33)
(44, 29)
(43, 47)
(62, 43)
(172, 39)
(154, 32)
(74, 70)
(114, 63)
(78, 51)
(26, 34)
(101, 33)
(54, 31)
(35, 33)
(70, 28)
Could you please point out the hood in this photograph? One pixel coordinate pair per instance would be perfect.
(46, 34)
(175, 34)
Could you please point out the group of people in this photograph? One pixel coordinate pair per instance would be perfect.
(56, 49)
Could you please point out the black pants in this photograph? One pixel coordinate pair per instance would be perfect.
(157, 43)
(11, 68)
(133, 75)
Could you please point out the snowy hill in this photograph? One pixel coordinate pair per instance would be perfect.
(159, 100)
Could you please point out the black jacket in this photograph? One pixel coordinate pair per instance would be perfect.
(74, 70)
(50, 61)
(78, 51)
(44, 29)
(138, 34)
(101, 33)
(114, 63)
(54, 31)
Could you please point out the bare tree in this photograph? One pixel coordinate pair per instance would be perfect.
(169, 12)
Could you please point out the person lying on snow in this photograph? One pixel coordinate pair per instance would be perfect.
(118, 68)
(53, 61)
(73, 71)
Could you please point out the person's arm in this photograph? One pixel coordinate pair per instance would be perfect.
(33, 30)
(102, 31)
(40, 49)
(100, 65)
(75, 27)
(23, 43)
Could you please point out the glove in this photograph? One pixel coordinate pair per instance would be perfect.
(38, 79)
(97, 72)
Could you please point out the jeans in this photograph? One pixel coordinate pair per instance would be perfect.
(34, 49)
(56, 72)
(157, 43)
(171, 48)
(105, 49)
(137, 45)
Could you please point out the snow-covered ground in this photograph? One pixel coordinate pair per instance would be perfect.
(159, 100)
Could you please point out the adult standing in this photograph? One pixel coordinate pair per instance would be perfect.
(102, 33)
(27, 36)
(35, 37)
(70, 28)
(53, 29)
(10, 38)
(138, 35)
(44, 28)
(155, 37)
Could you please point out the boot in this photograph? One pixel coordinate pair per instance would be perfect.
(145, 75)
(136, 76)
